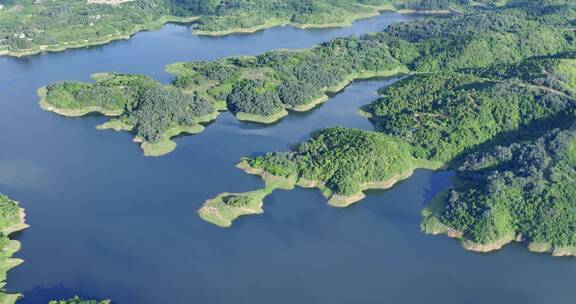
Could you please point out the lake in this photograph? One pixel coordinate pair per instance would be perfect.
(108, 222)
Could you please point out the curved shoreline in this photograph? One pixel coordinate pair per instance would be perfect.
(217, 212)
(432, 225)
(162, 147)
(247, 117)
(162, 21)
(9, 250)
(147, 26)
(376, 11)
(42, 94)
(166, 145)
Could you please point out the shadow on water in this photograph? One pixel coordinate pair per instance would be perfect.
(41, 294)
(443, 180)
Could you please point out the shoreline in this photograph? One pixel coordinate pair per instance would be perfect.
(162, 21)
(342, 201)
(365, 75)
(217, 212)
(336, 200)
(166, 144)
(376, 11)
(146, 26)
(9, 250)
(247, 117)
(44, 105)
(432, 225)
(162, 147)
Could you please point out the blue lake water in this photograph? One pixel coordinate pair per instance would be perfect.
(108, 222)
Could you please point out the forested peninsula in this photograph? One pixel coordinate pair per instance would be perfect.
(139, 104)
(29, 26)
(340, 162)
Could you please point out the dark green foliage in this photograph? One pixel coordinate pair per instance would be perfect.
(344, 159)
(508, 35)
(160, 108)
(77, 300)
(426, 5)
(293, 92)
(212, 70)
(266, 84)
(524, 188)
(238, 14)
(237, 201)
(445, 114)
(27, 24)
(145, 104)
(9, 212)
(255, 97)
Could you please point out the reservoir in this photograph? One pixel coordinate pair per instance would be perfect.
(107, 222)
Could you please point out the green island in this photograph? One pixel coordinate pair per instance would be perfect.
(153, 112)
(33, 26)
(11, 220)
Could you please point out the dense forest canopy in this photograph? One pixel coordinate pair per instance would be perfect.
(142, 104)
(445, 114)
(343, 159)
(477, 40)
(270, 82)
(525, 188)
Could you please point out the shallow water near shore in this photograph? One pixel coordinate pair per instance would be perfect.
(108, 222)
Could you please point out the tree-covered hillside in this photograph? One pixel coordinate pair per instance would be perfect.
(152, 111)
(344, 160)
(504, 123)
(523, 190)
(447, 113)
(267, 84)
(30, 26)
